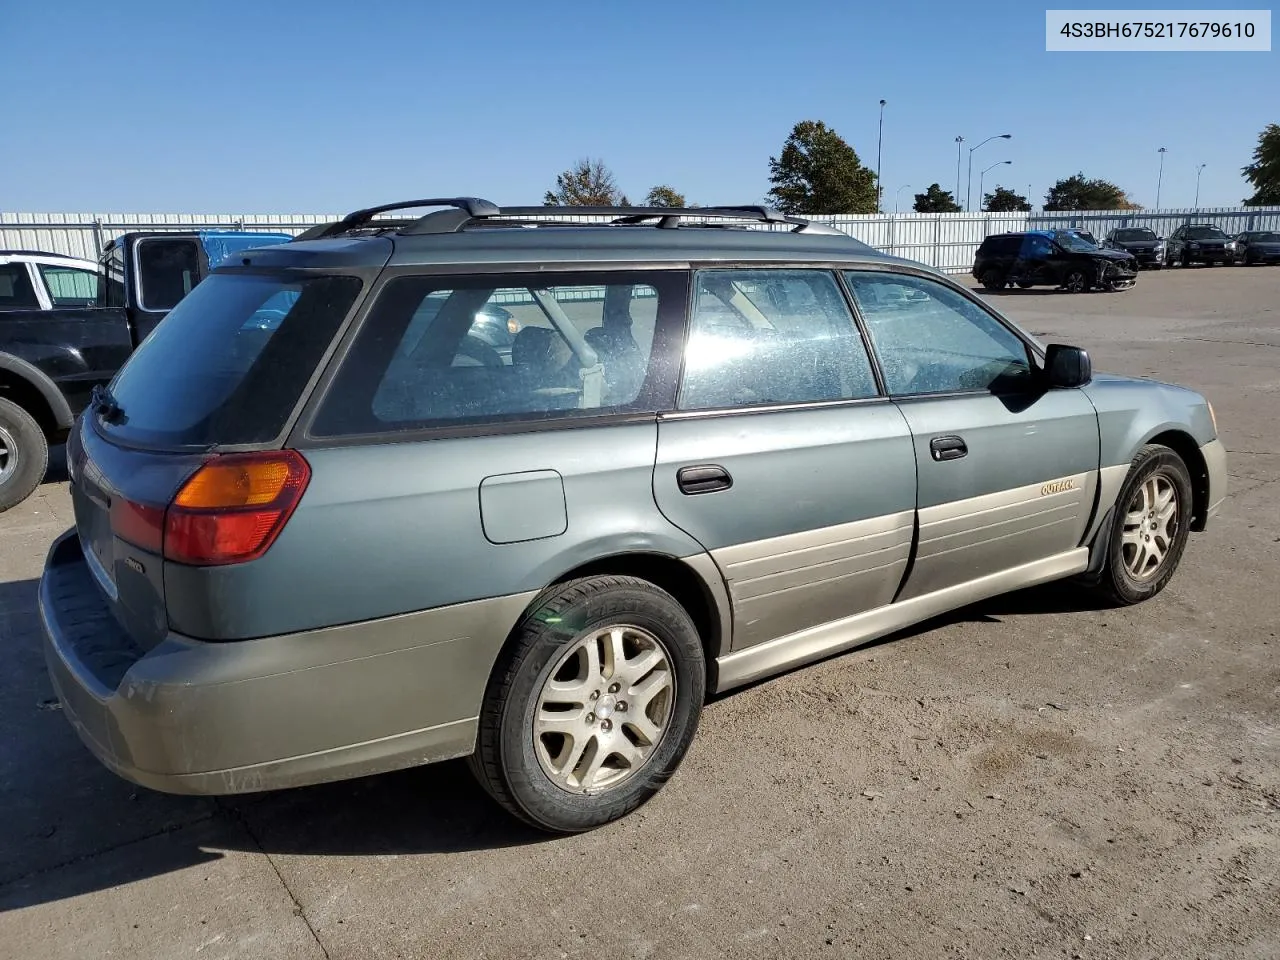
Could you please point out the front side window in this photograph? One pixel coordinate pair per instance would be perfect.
(70, 286)
(168, 270)
(932, 339)
(772, 336)
(440, 351)
(16, 289)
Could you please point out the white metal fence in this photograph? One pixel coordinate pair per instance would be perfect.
(944, 240)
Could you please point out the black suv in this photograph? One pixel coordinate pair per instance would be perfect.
(1147, 248)
(1199, 243)
(1059, 258)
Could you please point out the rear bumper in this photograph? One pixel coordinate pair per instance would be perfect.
(1215, 461)
(215, 718)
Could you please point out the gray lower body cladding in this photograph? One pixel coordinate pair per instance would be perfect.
(233, 717)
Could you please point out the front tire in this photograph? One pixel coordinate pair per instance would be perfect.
(1150, 528)
(1076, 281)
(24, 455)
(592, 706)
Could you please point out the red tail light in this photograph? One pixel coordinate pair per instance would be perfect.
(229, 511)
(233, 508)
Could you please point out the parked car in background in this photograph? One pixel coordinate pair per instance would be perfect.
(561, 551)
(1257, 246)
(67, 325)
(1058, 258)
(1147, 248)
(38, 280)
(1199, 243)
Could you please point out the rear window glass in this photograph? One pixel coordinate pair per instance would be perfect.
(1134, 235)
(437, 351)
(229, 363)
(168, 270)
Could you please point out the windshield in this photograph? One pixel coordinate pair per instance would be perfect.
(1129, 236)
(229, 363)
(1206, 233)
(1076, 244)
(1264, 237)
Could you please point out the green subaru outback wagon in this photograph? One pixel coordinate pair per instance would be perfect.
(501, 484)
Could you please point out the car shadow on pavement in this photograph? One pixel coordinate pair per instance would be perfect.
(77, 828)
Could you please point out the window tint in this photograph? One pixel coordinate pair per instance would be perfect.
(931, 339)
(167, 271)
(772, 336)
(111, 278)
(439, 351)
(16, 290)
(230, 362)
(1037, 246)
(70, 286)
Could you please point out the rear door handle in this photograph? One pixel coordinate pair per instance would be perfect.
(947, 448)
(704, 478)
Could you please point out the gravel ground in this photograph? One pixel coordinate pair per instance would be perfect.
(1030, 777)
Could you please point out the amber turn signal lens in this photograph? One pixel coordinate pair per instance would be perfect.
(235, 483)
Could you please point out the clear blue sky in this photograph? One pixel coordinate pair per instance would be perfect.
(319, 106)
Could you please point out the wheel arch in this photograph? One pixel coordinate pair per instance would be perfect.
(695, 583)
(29, 387)
(1185, 446)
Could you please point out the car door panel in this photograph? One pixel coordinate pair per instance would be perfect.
(799, 478)
(1006, 470)
(1024, 490)
(818, 522)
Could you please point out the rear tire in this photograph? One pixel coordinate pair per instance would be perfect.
(993, 280)
(1150, 527)
(592, 705)
(24, 455)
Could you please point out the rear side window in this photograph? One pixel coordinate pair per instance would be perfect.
(70, 286)
(168, 270)
(111, 278)
(16, 290)
(446, 351)
(772, 336)
(230, 362)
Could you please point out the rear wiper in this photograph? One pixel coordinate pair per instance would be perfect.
(104, 401)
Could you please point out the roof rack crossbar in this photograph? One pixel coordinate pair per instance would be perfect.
(472, 206)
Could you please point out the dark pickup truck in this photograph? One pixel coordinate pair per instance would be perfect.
(67, 326)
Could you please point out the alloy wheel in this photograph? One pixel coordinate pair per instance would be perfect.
(1150, 527)
(604, 709)
(8, 455)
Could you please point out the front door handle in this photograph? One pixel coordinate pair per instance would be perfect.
(704, 478)
(947, 448)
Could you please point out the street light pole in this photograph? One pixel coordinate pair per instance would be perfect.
(897, 195)
(968, 184)
(959, 142)
(983, 175)
(1199, 170)
(1160, 176)
(879, 144)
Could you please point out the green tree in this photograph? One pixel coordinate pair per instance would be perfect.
(1264, 172)
(1077, 192)
(664, 196)
(588, 183)
(1001, 199)
(936, 200)
(817, 172)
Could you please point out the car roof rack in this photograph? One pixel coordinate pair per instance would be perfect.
(468, 207)
(465, 212)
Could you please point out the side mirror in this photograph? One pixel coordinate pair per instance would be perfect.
(1066, 366)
